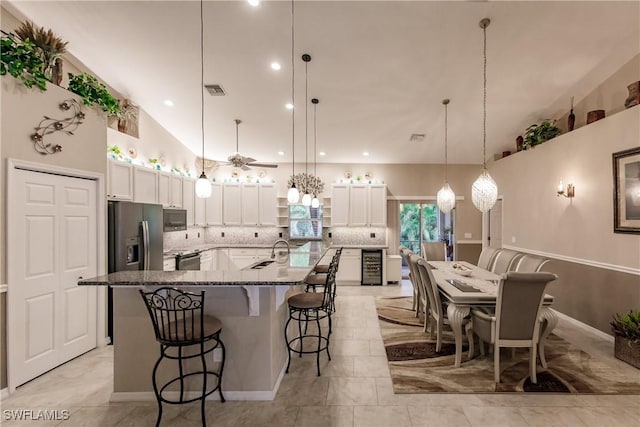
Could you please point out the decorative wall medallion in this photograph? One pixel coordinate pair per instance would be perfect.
(132, 152)
(49, 125)
(348, 175)
(261, 174)
(368, 175)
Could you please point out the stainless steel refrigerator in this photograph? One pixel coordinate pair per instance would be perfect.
(135, 241)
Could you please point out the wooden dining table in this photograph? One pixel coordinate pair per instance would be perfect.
(478, 290)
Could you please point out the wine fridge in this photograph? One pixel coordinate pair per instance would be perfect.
(372, 267)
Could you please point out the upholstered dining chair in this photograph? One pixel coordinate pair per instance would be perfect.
(436, 311)
(505, 260)
(423, 298)
(434, 251)
(488, 254)
(405, 253)
(530, 263)
(516, 320)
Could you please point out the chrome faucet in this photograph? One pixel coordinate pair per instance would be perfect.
(273, 248)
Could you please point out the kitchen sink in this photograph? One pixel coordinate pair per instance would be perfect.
(261, 264)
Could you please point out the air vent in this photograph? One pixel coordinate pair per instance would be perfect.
(417, 137)
(215, 90)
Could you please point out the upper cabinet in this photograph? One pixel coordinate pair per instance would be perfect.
(164, 189)
(213, 206)
(250, 210)
(249, 204)
(188, 199)
(145, 185)
(232, 204)
(175, 191)
(359, 205)
(120, 181)
(268, 205)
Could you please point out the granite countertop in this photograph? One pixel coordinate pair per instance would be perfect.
(335, 245)
(293, 272)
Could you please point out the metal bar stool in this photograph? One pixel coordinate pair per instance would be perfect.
(311, 307)
(184, 332)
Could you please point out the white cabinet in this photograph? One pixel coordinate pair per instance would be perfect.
(199, 213)
(242, 258)
(250, 207)
(222, 259)
(350, 267)
(394, 268)
(339, 205)
(232, 204)
(164, 189)
(175, 191)
(145, 185)
(120, 181)
(268, 205)
(188, 199)
(169, 264)
(213, 206)
(359, 205)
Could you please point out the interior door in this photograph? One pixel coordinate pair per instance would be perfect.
(494, 229)
(52, 243)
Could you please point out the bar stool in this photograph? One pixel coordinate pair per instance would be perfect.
(311, 306)
(320, 277)
(184, 332)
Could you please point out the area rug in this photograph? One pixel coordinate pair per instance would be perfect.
(415, 366)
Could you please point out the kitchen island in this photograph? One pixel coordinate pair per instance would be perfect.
(250, 303)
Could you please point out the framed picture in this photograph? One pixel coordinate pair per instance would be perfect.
(626, 195)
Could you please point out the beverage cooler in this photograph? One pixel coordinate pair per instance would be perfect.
(372, 267)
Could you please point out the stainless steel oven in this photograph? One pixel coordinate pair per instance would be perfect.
(189, 261)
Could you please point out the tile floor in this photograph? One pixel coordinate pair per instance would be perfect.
(354, 390)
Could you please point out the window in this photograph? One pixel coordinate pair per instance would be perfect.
(305, 222)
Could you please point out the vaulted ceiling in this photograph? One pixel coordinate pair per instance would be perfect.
(379, 68)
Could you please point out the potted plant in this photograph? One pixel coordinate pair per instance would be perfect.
(539, 133)
(20, 59)
(626, 331)
(49, 46)
(93, 92)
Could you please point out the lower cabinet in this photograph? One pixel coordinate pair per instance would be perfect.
(169, 264)
(350, 266)
(206, 260)
(242, 258)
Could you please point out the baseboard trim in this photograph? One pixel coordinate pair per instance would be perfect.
(4, 393)
(149, 396)
(597, 264)
(581, 325)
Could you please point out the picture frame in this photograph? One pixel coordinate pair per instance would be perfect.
(626, 194)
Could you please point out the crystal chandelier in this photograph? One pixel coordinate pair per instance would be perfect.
(306, 199)
(315, 202)
(484, 191)
(203, 185)
(446, 198)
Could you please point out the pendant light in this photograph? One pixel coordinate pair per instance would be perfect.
(306, 199)
(315, 202)
(203, 185)
(293, 195)
(446, 198)
(484, 191)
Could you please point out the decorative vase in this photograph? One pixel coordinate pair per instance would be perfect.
(627, 351)
(56, 72)
(634, 95)
(594, 116)
(519, 143)
(571, 120)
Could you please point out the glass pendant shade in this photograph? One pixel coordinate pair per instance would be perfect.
(446, 198)
(484, 192)
(306, 199)
(203, 187)
(315, 202)
(293, 195)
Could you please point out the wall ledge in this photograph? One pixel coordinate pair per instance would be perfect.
(4, 288)
(591, 263)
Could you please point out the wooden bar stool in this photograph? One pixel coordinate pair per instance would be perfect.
(184, 332)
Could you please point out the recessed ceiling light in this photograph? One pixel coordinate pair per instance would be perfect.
(288, 106)
(168, 103)
(365, 153)
(254, 3)
(280, 153)
(322, 153)
(275, 66)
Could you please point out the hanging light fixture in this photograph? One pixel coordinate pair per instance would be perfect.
(306, 199)
(315, 202)
(293, 195)
(203, 185)
(446, 198)
(484, 191)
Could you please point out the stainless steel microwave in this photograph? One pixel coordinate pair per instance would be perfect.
(175, 219)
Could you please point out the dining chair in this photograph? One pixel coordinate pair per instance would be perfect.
(488, 254)
(405, 254)
(437, 311)
(505, 260)
(530, 263)
(516, 320)
(423, 298)
(434, 251)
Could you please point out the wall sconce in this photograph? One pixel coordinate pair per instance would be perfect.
(569, 192)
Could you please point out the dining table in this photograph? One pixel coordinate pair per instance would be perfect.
(479, 288)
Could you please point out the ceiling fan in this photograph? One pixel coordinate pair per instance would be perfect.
(243, 162)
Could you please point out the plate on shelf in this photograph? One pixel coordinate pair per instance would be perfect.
(132, 152)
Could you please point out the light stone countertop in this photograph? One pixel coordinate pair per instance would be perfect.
(293, 272)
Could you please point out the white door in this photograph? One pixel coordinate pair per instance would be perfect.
(377, 205)
(52, 243)
(339, 205)
(120, 182)
(358, 204)
(250, 204)
(268, 205)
